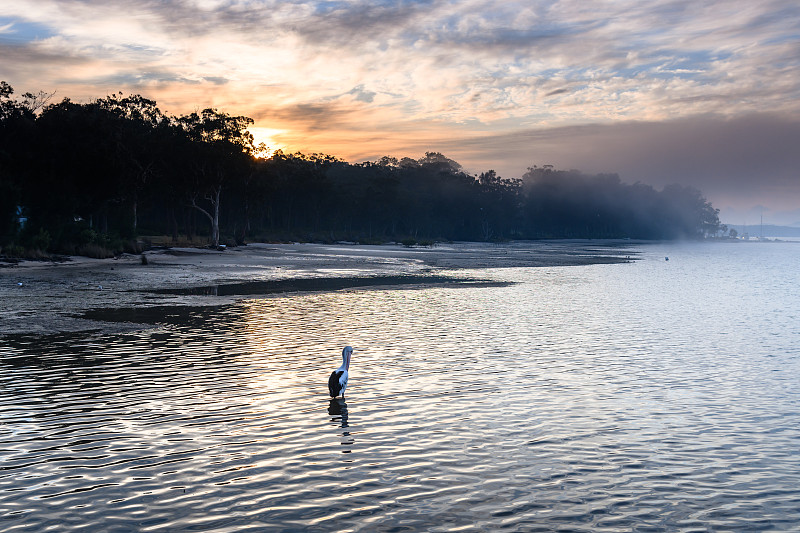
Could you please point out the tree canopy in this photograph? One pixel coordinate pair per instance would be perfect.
(76, 177)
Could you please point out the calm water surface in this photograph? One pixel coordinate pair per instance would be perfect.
(651, 396)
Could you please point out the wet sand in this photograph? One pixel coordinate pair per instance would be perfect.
(48, 297)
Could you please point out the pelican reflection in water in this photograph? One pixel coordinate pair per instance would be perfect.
(338, 411)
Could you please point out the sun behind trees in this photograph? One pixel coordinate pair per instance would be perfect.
(92, 178)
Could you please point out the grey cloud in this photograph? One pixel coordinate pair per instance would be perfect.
(216, 80)
(354, 24)
(28, 55)
(776, 13)
(337, 23)
(362, 95)
(143, 78)
(733, 161)
(23, 66)
(591, 44)
(356, 20)
(502, 38)
(313, 117)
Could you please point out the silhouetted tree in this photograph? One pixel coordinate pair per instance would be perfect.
(221, 151)
(104, 171)
(16, 130)
(138, 138)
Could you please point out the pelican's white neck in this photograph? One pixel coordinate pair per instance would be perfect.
(346, 353)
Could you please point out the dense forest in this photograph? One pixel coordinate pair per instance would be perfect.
(97, 178)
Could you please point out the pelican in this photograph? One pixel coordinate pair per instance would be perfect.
(337, 383)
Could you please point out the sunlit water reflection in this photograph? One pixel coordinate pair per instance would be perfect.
(656, 395)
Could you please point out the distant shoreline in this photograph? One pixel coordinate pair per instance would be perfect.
(44, 297)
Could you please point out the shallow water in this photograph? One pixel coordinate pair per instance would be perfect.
(655, 395)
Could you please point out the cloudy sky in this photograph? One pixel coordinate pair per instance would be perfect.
(700, 93)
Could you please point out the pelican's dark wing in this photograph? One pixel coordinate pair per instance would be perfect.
(333, 383)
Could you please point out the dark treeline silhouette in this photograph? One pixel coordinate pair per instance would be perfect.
(90, 178)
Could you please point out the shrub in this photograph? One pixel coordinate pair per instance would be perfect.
(95, 251)
(14, 251)
(41, 241)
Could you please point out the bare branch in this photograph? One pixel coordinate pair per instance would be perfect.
(35, 102)
(206, 213)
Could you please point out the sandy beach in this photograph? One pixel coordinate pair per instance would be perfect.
(42, 297)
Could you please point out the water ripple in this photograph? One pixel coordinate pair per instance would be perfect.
(583, 399)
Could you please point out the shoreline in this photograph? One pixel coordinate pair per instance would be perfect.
(41, 298)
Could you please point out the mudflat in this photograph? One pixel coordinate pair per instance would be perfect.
(42, 297)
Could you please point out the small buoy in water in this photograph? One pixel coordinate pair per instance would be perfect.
(100, 287)
(19, 284)
(666, 259)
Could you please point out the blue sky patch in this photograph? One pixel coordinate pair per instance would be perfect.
(15, 29)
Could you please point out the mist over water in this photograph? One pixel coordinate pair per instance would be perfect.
(657, 395)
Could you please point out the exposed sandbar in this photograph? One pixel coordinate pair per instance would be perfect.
(50, 297)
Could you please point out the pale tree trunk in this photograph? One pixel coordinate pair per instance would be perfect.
(174, 225)
(214, 219)
(486, 229)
